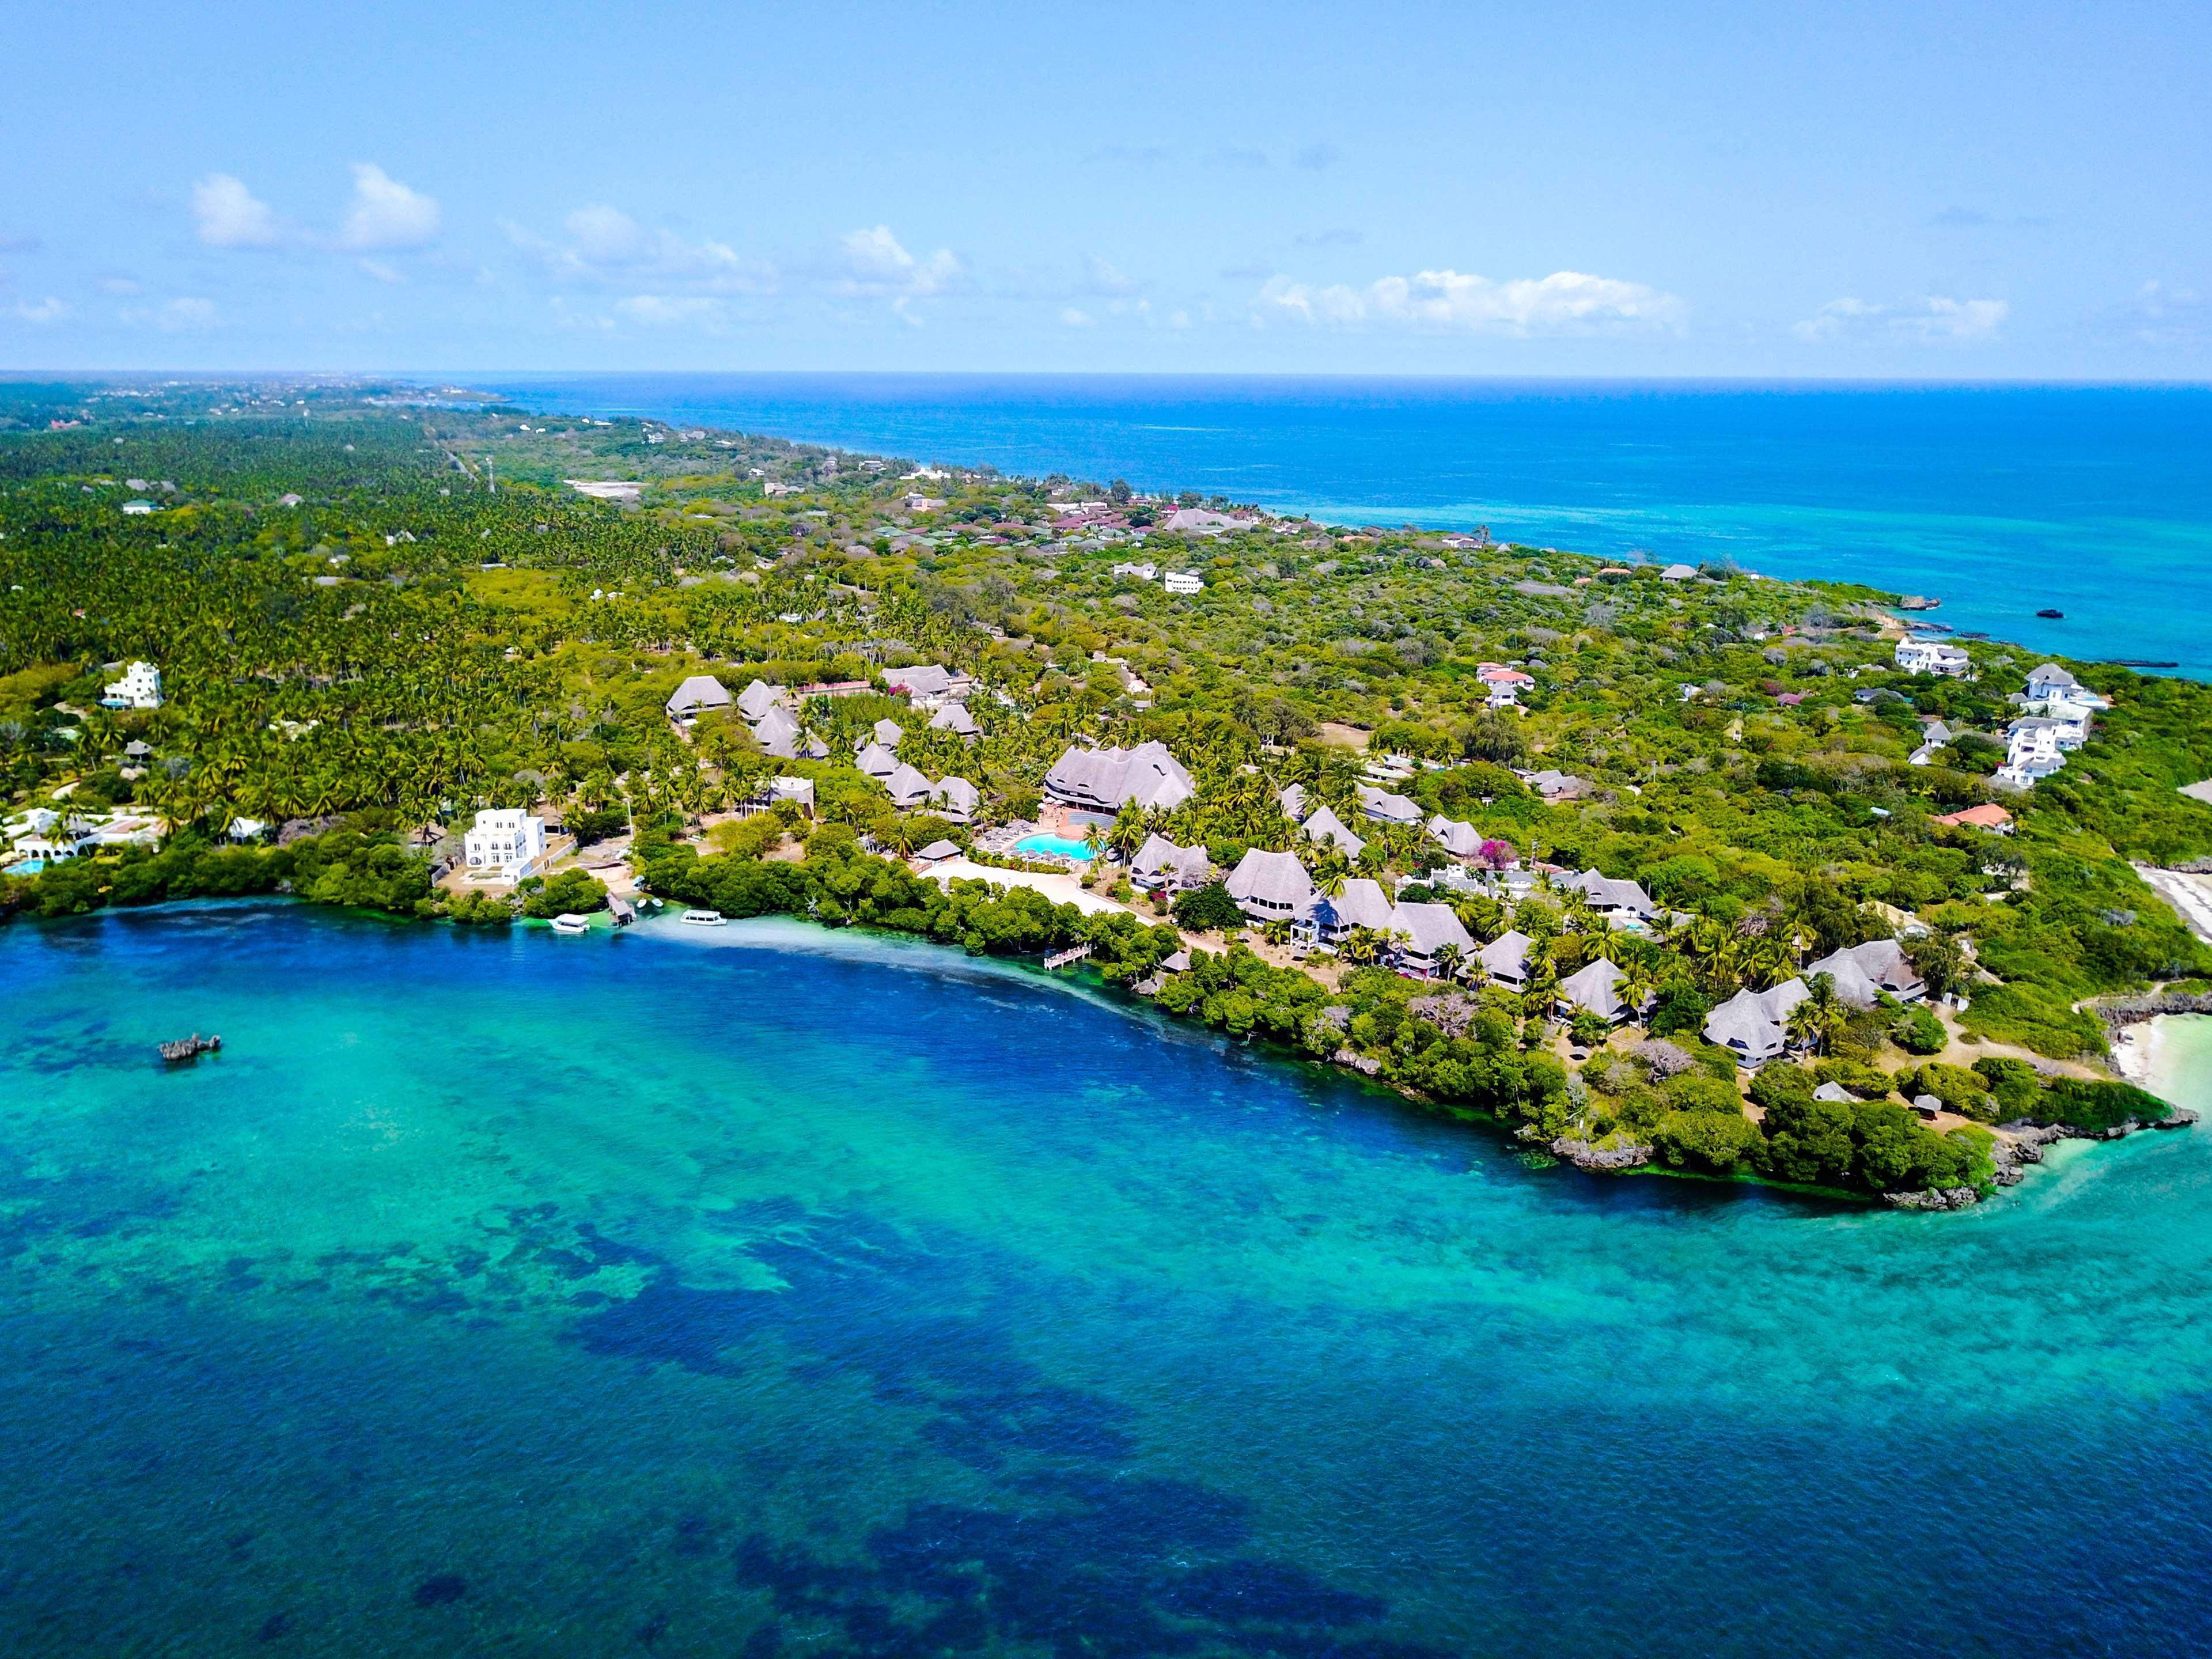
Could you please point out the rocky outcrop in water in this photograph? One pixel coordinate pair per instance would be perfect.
(1365, 1065)
(1629, 1154)
(1939, 1198)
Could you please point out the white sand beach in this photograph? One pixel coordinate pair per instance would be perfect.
(2190, 894)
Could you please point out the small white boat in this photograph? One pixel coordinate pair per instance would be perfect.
(571, 923)
(704, 918)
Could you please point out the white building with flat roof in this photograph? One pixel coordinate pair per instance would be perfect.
(505, 840)
(139, 688)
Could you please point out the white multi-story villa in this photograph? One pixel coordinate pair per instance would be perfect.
(507, 840)
(1921, 656)
(139, 688)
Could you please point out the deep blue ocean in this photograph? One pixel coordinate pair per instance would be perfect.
(2000, 501)
(768, 1292)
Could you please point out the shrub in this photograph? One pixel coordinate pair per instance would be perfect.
(1780, 1085)
(2013, 1083)
(1209, 909)
(1712, 1140)
(2091, 1106)
(1960, 1090)
(1919, 1032)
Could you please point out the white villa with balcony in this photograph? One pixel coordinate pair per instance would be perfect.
(505, 842)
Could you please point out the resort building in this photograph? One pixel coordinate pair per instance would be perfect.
(955, 798)
(928, 685)
(1596, 990)
(1425, 931)
(1462, 840)
(1200, 521)
(877, 760)
(937, 853)
(1554, 785)
(1923, 656)
(1386, 808)
(755, 700)
(2031, 756)
(2051, 683)
(908, 787)
(1988, 815)
(1325, 825)
(507, 840)
(1677, 573)
(1143, 572)
(954, 717)
(1160, 866)
(1270, 886)
(1292, 800)
(1505, 959)
(1363, 904)
(139, 688)
(797, 791)
(695, 696)
(888, 733)
(1612, 898)
(1182, 582)
(1752, 1024)
(1098, 783)
(1865, 973)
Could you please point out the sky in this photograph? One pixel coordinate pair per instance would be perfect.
(2013, 191)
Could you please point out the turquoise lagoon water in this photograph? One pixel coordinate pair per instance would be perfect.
(768, 1292)
(2001, 500)
(1060, 845)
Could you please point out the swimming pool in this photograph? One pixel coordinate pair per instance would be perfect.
(27, 867)
(1058, 844)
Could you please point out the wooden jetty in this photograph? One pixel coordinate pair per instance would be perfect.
(191, 1047)
(1062, 958)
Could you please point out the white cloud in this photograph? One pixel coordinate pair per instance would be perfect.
(385, 213)
(227, 215)
(873, 264)
(378, 268)
(120, 285)
(40, 312)
(1933, 319)
(1105, 279)
(1075, 318)
(177, 317)
(663, 310)
(605, 245)
(1453, 302)
(2161, 315)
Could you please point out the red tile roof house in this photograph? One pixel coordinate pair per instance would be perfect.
(1991, 817)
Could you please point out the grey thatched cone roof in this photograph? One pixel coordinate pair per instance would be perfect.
(1863, 972)
(1428, 928)
(907, 786)
(1506, 957)
(877, 760)
(1462, 840)
(756, 699)
(1272, 886)
(1595, 988)
(1386, 808)
(1325, 825)
(1107, 780)
(695, 696)
(1752, 1024)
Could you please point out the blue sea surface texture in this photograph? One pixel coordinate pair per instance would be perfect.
(764, 1290)
(1999, 500)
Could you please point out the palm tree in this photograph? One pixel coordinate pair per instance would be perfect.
(1815, 1022)
(1448, 960)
